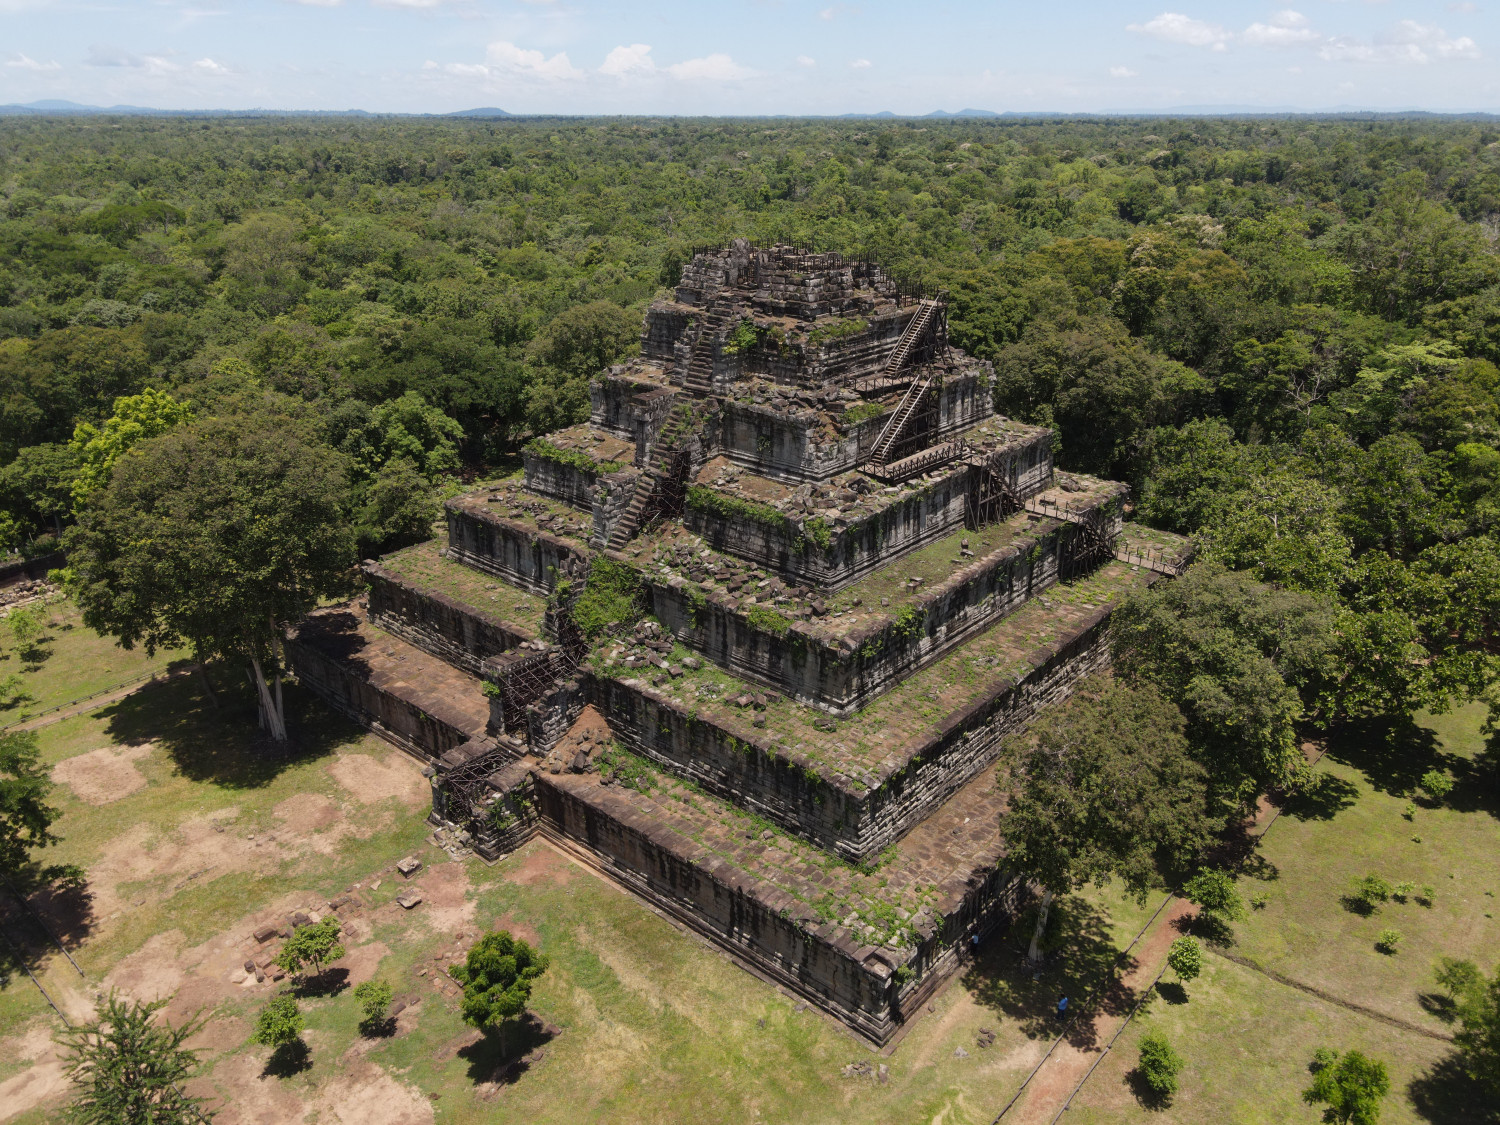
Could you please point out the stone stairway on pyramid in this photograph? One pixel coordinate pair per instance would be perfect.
(716, 647)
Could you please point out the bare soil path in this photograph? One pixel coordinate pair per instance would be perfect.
(1085, 1039)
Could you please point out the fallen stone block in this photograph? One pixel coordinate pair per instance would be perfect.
(266, 933)
(409, 866)
(408, 899)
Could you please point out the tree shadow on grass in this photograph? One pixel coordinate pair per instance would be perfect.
(1438, 1005)
(223, 745)
(1446, 1095)
(1172, 992)
(1082, 962)
(1393, 754)
(524, 1040)
(330, 982)
(1322, 799)
(288, 1060)
(1144, 1094)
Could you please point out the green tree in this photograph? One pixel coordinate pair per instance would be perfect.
(1241, 658)
(26, 819)
(497, 976)
(1185, 956)
(373, 998)
(1103, 787)
(37, 489)
(1352, 1086)
(1190, 471)
(135, 418)
(128, 1067)
(279, 1026)
(1283, 527)
(398, 509)
(1159, 1066)
(311, 947)
(1217, 897)
(1476, 1002)
(216, 535)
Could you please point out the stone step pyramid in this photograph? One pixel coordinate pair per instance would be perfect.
(772, 701)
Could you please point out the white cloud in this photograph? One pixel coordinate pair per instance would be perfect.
(25, 62)
(505, 56)
(710, 68)
(1123, 72)
(634, 59)
(1174, 27)
(1409, 42)
(466, 70)
(208, 66)
(804, 60)
(1286, 29)
(1463, 8)
(836, 10)
(861, 64)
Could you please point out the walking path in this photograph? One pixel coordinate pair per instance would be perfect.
(1087, 1035)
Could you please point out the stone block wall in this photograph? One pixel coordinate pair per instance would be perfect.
(549, 718)
(651, 862)
(840, 679)
(911, 521)
(854, 822)
(526, 558)
(346, 689)
(461, 634)
(666, 323)
(611, 496)
(560, 480)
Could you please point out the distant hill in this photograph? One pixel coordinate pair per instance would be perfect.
(487, 111)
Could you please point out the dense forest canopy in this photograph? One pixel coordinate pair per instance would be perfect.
(1282, 331)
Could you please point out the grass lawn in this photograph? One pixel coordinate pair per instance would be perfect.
(192, 833)
(1248, 1039)
(69, 661)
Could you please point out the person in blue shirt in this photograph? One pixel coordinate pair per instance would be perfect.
(1062, 1007)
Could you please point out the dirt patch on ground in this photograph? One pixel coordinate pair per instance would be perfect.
(242, 1094)
(363, 962)
(307, 813)
(42, 1083)
(153, 971)
(103, 775)
(369, 780)
(543, 865)
(367, 1095)
(445, 897)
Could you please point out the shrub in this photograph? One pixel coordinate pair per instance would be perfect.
(373, 997)
(1352, 1086)
(1403, 891)
(862, 412)
(611, 599)
(1159, 1065)
(1370, 893)
(1436, 785)
(1387, 940)
(279, 1023)
(310, 946)
(1185, 956)
(1216, 895)
(768, 620)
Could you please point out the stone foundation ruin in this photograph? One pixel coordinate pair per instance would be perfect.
(749, 639)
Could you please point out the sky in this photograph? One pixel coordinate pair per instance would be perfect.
(750, 56)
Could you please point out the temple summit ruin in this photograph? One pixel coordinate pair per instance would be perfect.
(749, 639)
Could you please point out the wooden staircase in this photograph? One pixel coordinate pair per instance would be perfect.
(653, 485)
(699, 380)
(916, 329)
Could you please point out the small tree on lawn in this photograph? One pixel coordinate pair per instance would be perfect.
(1351, 1086)
(279, 1026)
(1159, 1066)
(1103, 787)
(373, 997)
(25, 817)
(1476, 1001)
(1185, 956)
(1217, 897)
(215, 535)
(128, 1067)
(497, 976)
(311, 947)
